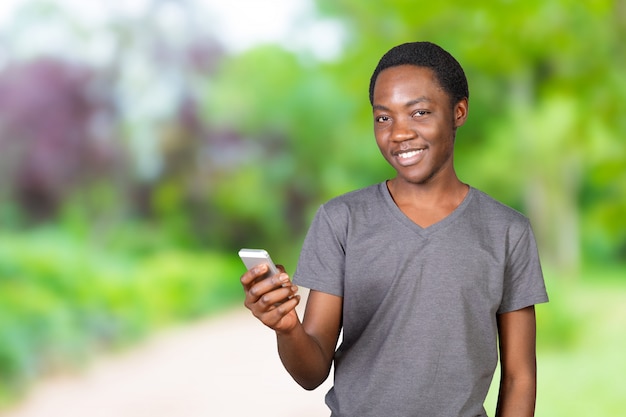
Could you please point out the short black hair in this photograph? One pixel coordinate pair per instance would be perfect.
(426, 54)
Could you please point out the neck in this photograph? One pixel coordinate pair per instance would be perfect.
(449, 192)
(427, 204)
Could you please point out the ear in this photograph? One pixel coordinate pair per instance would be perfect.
(460, 112)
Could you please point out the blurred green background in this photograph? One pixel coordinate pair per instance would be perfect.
(143, 144)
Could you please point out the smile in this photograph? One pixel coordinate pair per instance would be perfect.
(408, 158)
(410, 154)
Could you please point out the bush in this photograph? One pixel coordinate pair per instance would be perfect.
(62, 299)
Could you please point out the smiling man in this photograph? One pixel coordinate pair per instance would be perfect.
(429, 278)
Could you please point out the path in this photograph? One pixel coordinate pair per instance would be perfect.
(221, 367)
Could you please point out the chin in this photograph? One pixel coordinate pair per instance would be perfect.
(416, 178)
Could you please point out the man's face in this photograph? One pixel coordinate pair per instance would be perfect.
(415, 123)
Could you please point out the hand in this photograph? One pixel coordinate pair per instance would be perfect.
(272, 300)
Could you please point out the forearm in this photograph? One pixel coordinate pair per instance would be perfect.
(303, 357)
(518, 381)
(517, 397)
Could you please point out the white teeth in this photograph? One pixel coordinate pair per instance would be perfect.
(410, 154)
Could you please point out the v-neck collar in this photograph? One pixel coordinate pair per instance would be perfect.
(433, 228)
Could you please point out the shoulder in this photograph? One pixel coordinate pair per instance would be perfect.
(355, 206)
(498, 219)
(359, 196)
(496, 211)
(362, 198)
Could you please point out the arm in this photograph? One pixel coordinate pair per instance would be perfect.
(306, 349)
(518, 381)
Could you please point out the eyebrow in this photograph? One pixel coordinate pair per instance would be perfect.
(410, 103)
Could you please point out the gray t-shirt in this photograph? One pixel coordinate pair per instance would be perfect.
(419, 304)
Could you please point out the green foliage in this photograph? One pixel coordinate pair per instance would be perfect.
(544, 133)
(62, 298)
(284, 132)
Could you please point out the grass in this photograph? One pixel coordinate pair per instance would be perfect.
(580, 347)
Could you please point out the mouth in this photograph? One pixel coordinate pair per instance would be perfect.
(409, 154)
(409, 157)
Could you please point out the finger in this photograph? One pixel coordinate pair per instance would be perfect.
(273, 317)
(250, 276)
(268, 284)
(270, 300)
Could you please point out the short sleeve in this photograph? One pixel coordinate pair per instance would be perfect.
(523, 281)
(321, 264)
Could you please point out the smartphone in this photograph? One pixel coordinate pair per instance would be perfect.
(254, 257)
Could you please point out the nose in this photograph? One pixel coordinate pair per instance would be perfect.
(402, 131)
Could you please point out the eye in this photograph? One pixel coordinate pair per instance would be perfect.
(381, 119)
(420, 113)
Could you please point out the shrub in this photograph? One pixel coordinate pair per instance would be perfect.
(62, 299)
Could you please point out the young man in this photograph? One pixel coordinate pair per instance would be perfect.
(423, 273)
